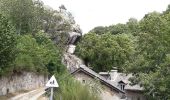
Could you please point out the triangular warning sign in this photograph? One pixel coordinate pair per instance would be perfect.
(52, 82)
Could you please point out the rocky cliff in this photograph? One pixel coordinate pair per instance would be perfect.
(69, 59)
(75, 32)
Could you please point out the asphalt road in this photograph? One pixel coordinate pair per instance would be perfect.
(31, 95)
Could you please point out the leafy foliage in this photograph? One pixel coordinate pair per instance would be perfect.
(138, 47)
(149, 56)
(99, 30)
(105, 51)
(71, 89)
(37, 54)
(7, 44)
(20, 12)
(152, 56)
(32, 47)
(31, 16)
(132, 26)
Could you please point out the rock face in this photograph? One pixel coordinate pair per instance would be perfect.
(22, 81)
(71, 61)
(75, 32)
(71, 49)
(73, 37)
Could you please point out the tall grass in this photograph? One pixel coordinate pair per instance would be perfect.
(70, 89)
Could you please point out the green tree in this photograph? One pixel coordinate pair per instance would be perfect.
(20, 12)
(105, 51)
(151, 61)
(118, 29)
(99, 30)
(7, 44)
(37, 54)
(147, 56)
(133, 26)
(52, 56)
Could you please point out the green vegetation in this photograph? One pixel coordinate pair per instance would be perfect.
(7, 44)
(105, 51)
(25, 15)
(138, 47)
(37, 54)
(31, 16)
(32, 38)
(73, 90)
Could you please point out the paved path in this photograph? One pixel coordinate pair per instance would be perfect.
(32, 95)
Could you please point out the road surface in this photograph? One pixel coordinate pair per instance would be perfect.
(32, 95)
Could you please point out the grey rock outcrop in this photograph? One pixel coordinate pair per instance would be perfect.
(75, 32)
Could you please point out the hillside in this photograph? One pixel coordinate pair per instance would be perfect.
(137, 47)
(33, 40)
(37, 42)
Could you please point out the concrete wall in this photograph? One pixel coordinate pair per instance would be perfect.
(134, 95)
(22, 81)
(106, 93)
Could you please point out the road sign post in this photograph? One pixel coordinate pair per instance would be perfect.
(52, 83)
(51, 97)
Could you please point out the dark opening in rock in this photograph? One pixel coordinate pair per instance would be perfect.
(7, 90)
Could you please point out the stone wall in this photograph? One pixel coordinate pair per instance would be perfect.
(22, 81)
(135, 95)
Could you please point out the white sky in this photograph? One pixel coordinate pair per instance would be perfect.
(91, 13)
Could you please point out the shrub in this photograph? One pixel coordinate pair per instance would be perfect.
(71, 89)
(7, 44)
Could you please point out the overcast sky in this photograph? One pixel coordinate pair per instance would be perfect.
(91, 13)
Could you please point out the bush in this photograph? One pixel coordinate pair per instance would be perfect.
(71, 89)
(103, 52)
(7, 44)
(37, 54)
